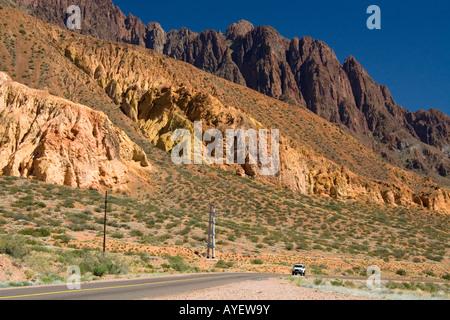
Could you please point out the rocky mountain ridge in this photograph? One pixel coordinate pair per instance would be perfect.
(303, 72)
(159, 94)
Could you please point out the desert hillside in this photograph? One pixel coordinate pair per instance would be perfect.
(81, 115)
(300, 71)
(158, 95)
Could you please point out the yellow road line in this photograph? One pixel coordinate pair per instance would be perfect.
(106, 288)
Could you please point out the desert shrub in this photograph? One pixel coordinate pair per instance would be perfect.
(64, 238)
(50, 278)
(432, 257)
(177, 263)
(231, 237)
(68, 204)
(398, 253)
(315, 269)
(117, 235)
(223, 264)
(144, 257)
(337, 283)
(185, 231)
(136, 233)
(14, 246)
(90, 261)
(349, 284)
(78, 218)
(256, 261)
(401, 272)
(429, 273)
(24, 202)
(318, 281)
(37, 248)
(82, 227)
(99, 271)
(431, 287)
(38, 233)
(363, 273)
(165, 266)
(41, 205)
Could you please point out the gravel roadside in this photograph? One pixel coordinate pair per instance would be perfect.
(270, 289)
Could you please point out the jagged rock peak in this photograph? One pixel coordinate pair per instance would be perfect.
(239, 29)
(352, 64)
(156, 37)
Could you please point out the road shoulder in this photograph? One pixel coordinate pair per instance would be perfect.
(269, 289)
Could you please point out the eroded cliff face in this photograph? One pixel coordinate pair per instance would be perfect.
(302, 72)
(56, 141)
(160, 104)
(160, 94)
(421, 138)
(318, 176)
(162, 110)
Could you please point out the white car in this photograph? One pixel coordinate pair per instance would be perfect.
(299, 269)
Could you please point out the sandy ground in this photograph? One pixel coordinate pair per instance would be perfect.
(9, 270)
(270, 289)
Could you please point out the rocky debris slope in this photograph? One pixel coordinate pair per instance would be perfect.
(56, 141)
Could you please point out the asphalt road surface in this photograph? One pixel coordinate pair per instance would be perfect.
(148, 287)
(129, 289)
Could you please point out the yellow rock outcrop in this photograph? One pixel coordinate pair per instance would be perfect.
(56, 141)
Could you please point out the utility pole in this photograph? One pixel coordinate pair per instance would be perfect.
(104, 223)
(212, 233)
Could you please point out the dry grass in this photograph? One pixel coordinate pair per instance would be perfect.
(330, 237)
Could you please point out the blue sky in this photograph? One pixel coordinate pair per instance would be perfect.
(410, 54)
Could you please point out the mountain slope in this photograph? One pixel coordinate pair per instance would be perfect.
(335, 204)
(316, 157)
(301, 72)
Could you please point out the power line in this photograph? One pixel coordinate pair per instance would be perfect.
(104, 223)
(211, 247)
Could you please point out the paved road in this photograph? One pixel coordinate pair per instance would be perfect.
(147, 287)
(129, 289)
